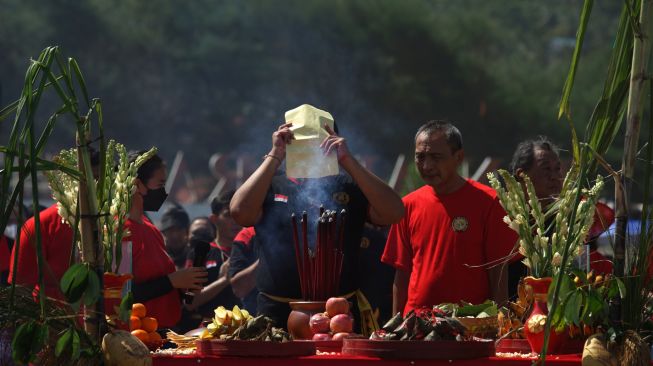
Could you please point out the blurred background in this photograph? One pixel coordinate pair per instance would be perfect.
(208, 81)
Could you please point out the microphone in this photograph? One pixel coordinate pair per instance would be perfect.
(201, 247)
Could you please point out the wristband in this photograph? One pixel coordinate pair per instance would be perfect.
(273, 157)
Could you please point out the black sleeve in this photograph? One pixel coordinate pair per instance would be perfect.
(239, 259)
(151, 289)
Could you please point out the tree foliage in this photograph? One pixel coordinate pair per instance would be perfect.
(205, 77)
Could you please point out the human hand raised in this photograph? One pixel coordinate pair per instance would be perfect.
(282, 137)
(333, 142)
(189, 278)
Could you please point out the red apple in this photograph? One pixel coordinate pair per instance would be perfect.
(321, 337)
(319, 323)
(337, 305)
(340, 336)
(342, 323)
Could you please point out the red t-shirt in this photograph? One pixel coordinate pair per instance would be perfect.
(150, 260)
(56, 240)
(4, 254)
(600, 264)
(440, 236)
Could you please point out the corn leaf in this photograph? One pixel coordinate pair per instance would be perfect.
(580, 36)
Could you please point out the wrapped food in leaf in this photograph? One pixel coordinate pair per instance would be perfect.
(433, 336)
(393, 323)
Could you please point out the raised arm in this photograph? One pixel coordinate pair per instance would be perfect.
(386, 206)
(247, 203)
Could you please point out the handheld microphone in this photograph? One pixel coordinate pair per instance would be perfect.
(201, 247)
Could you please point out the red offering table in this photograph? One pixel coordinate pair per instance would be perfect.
(215, 347)
(342, 360)
(417, 350)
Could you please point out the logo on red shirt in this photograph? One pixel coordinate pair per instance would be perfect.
(459, 224)
(280, 198)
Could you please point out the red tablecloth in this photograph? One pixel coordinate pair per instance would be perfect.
(340, 360)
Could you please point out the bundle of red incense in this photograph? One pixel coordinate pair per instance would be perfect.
(319, 269)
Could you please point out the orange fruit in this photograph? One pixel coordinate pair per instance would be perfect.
(134, 323)
(139, 310)
(154, 337)
(149, 324)
(141, 334)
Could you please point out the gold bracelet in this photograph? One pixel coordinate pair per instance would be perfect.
(273, 157)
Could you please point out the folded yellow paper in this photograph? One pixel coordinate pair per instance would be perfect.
(304, 157)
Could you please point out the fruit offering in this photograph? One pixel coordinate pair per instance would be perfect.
(335, 323)
(144, 327)
(421, 324)
(254, 329)
(225, 322)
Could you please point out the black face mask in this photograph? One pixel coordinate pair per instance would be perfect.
(154, 198)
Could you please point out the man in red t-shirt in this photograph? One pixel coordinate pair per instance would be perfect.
(539, 160)
(452, 231)
(56, 244)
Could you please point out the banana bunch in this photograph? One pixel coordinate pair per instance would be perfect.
(225, 322)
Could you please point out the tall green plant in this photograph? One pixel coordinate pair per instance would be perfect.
(51, 72)
(627, 68)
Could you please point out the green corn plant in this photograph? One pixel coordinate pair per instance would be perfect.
(49, 72)
(622, 92)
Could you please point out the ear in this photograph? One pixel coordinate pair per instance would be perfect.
(140, 187)
(459, 156)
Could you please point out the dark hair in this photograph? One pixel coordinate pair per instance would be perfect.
(146, 171)
(454, 138)
(525, 153)
(218, 203)
(203, 232)
(174, 217)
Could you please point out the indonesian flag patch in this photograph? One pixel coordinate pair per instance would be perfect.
(280, 198)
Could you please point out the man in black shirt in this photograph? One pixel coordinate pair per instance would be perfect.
(266, 201)
(174, 228)
(377, 287)
(218, 291)
(242, 268)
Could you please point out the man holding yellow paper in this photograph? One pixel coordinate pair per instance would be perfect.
(268, 198)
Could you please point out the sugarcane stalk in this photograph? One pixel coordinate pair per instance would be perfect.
(639, 70)
(88, 224)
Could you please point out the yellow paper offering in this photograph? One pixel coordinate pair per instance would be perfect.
(304, 157)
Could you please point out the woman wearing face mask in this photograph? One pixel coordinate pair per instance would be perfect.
(156, 283)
